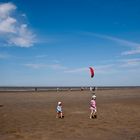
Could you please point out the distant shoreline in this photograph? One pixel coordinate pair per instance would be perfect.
(61, 88)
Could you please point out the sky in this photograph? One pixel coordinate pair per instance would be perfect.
(54, 42)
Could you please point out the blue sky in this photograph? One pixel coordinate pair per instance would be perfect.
(54, 42)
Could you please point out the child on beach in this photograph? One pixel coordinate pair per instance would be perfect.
(59, 110)
(93, 109)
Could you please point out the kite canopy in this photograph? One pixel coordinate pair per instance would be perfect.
(91, 72)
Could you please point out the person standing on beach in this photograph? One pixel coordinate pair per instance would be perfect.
(93, 108)
(59, 110)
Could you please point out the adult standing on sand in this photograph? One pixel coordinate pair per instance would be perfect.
(93, 108)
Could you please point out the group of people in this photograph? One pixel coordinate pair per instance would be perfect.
(92, 104)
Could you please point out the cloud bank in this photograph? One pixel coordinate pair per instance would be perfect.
(12, 31)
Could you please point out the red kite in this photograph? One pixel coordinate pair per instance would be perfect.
(91, 72)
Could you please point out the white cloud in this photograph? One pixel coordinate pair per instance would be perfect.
(6, 9)
(119, 65)
(8, 25)
(35, 66)
(135, 47)
(14, 32)
(115, 39)
(115, 67)
(57, 66)
(131, 52)
(25, 37)
(103, 69)
(77, 70)
(49, 66)
(100, 69)
(131, 63)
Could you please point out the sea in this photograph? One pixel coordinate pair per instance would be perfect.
(61, 88)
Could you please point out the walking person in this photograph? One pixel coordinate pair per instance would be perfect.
(93, 108)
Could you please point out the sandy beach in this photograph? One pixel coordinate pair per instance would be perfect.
(31, 115)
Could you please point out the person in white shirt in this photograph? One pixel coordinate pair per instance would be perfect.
(59, 110)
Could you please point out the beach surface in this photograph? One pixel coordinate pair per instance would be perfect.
(32, 115)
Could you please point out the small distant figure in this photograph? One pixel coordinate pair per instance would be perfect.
(57, 89)
(93, 108)
(92, 88)
(35, 89)
(59, 111)
(70, 89)
(82, 88)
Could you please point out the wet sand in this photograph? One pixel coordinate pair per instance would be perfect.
(31, 115)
